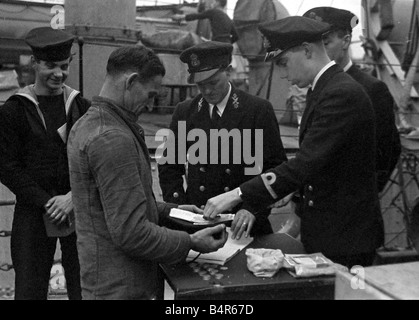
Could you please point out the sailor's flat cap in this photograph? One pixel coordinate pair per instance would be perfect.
(50, 44)
(337, 18)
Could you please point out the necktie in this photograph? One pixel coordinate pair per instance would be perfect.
(215, 115)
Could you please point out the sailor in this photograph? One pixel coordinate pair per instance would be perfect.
(34, 124)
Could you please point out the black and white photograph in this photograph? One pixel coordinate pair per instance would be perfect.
(213, 156)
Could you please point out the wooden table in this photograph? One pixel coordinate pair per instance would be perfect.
(234, 281)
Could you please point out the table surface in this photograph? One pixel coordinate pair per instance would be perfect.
(235, 281)
(399, 281)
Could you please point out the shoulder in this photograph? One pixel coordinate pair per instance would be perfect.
(12, 106)
(98, 126)
(344, 82)
(368, 81)
(83, 100)
(83, 103)
(187, 106)
(344, 90)
(251, 101)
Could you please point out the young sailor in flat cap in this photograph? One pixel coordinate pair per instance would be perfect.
(337, 43)
(33, 126)
(334, 169)
(220, 107)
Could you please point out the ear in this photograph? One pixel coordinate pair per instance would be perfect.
(130, 80)
(229, 70)
(308, 49)
(347, 39)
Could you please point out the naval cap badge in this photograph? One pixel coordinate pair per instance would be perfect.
(195, 61)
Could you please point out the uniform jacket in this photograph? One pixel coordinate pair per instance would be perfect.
(205, 181)
(388, 139)
(118, 237)
(27, 152)
(334, 171)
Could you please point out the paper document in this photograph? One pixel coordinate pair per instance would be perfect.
(198, 219)
(220, 257)
(62, 131)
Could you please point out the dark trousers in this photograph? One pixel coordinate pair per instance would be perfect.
(33, 257)
(362, 259)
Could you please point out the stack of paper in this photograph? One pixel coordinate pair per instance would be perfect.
(220, 257)
(198, 219)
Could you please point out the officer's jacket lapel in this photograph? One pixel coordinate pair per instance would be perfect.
(200, 117)
(312, 99)
(233, 112)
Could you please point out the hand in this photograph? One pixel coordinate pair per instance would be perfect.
(59, 207)
(208, 239)
(242, 223)
(178, 17)
(221, 203)
(191, 208)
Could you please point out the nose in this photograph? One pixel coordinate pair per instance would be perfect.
(58, 72)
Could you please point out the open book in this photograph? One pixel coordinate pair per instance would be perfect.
(220, 257)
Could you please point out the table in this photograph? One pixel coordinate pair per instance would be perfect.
(234, 281)
(387, 282)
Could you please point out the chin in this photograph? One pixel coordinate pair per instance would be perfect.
(54, 86)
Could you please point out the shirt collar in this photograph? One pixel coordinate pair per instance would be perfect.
(325, 68)
(223, 104)
(348, 66)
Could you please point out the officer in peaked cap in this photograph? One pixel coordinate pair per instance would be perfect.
(338, 19)
(337, 43)
(281, 35)
(220, 106)
(206, 59)
(333, 171)
(49, 44)
(40, 117)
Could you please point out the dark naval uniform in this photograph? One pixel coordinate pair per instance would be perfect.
(205, 181)
(387, 135)
(247, 118)
(334, 169)
(34, 166)
(388, 138)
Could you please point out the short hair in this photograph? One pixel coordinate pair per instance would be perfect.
(222, 3)
(137, 58)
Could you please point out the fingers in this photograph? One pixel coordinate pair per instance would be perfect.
(49, 203)
(242, 224)
(198, 210)
(191, 208)
(240, 229)
(220, 236)
(58, 216)
(210, 211)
